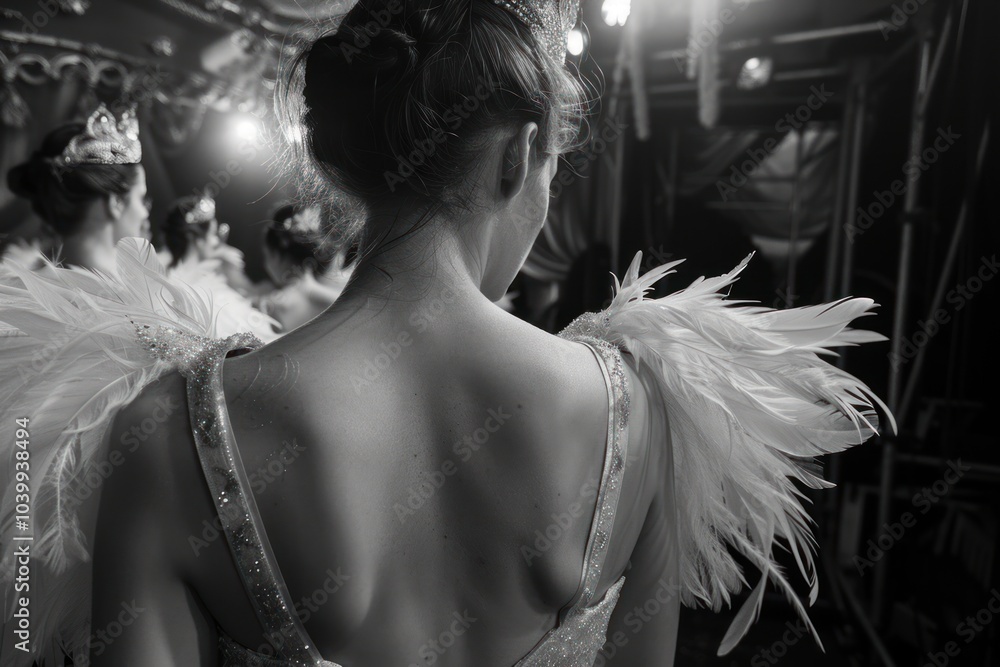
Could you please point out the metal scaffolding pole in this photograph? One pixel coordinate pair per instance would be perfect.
(847, 178)
(949, 265)
(857, 143)
(899, 324)
(844, 176)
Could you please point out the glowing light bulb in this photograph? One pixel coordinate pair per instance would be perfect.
(616, 12)
(755, 73)
(576, 42)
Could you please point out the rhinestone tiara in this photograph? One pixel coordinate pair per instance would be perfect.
(105, 140)
(550, 21)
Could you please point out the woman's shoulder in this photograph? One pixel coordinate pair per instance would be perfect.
(151, 452)
(560, 379)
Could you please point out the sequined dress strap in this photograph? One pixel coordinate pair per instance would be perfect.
(240, 519)
(583, 624)
(614, 468)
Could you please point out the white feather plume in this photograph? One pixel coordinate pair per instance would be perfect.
(69, 360)
(750, 404)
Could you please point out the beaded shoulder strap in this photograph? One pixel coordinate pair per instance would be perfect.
(583, 624)
(615, 457)
(199, 360)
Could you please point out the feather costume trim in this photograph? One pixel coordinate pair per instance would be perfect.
(69, 360)
(750, 404)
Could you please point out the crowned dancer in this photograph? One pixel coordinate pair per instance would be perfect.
(416, 476)
(193, 233)
(87, 185)
(197, 256)
(302, 265)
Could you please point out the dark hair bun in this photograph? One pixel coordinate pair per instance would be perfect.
(60, 195)
(303, 248)
(403, 97)
(22, 180)
(349, 77)
(360, 56)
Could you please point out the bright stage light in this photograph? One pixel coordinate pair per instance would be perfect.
(576, 43)
(246, 129)
(616, 12)
(756, 73)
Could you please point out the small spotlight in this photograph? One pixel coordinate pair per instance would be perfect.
(576, 42)
(756, 73)
(616, 12)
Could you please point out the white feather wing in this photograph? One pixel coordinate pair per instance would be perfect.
(750, 404)
(69, 359)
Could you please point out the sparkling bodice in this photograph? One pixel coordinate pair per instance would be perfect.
(582, 626)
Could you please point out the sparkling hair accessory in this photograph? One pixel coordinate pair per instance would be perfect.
(549, 20)
(307, 220)
(202, 211)
(105, 140)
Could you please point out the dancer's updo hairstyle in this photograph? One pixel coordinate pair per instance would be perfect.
(303, 249)
(180, 234)
(60, 194)
(402, 98)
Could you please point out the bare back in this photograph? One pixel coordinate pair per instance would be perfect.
(426, 477)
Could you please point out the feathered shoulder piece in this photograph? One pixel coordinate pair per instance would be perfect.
(74, 349)
(749, 403)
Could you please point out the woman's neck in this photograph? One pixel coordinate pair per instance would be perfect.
(91, 248)
(409, 259)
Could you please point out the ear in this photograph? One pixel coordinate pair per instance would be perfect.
(517, 160)
(116, 206)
